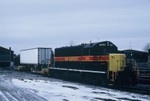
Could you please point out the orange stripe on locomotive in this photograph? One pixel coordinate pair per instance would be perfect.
(83, 58)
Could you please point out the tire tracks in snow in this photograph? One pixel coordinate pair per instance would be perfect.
(10, 92)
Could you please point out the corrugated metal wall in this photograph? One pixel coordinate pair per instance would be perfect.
(44, 55)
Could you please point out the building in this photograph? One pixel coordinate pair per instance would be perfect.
(6, 57)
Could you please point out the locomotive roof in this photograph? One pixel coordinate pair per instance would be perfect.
(89, 45)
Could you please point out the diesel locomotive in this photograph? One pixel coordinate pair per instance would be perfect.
(95, 63)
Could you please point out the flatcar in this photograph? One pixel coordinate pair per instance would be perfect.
(94, 63)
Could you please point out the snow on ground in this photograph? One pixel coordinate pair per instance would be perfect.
(66, 91)
(11, 92)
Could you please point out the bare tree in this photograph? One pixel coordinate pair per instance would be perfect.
(146, 47)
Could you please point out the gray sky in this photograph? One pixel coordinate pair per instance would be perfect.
(56, 23)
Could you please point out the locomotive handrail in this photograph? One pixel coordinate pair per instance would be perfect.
(78, 70)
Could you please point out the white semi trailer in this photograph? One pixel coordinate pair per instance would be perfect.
(36, 58)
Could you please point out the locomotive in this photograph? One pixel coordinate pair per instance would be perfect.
(95, 63)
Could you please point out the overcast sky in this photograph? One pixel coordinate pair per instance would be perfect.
(55, 23)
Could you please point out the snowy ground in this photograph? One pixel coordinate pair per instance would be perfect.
(57, 90)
